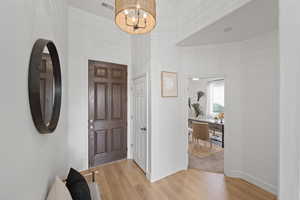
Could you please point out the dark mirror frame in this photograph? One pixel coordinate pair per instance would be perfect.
(34, 86)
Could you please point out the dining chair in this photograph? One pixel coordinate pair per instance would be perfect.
(201, 132)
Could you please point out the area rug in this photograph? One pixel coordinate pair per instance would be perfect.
(204, 158)
(203, 149)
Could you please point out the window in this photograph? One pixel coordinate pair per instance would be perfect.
(215, 97)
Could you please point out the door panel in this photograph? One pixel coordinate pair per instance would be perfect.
(107, 112)
(116, 101)
(140, 123)
(101, 137)
(100, 101)
(117, 139)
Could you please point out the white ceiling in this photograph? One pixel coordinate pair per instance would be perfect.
(94, 6)
(256, 17)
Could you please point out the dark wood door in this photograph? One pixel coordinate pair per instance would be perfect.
(107, 112)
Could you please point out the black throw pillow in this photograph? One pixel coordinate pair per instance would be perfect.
(78, 186)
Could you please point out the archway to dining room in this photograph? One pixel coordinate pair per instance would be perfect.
(206, 123)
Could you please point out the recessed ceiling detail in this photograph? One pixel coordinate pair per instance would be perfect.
(253, 19)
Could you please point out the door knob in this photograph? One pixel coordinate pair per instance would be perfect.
(144, 129)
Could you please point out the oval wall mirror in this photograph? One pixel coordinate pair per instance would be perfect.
(44, 86)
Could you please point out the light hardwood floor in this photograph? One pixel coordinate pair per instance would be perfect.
(125, 181)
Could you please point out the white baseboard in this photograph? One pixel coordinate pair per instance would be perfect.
(254, 180)
(234, 174)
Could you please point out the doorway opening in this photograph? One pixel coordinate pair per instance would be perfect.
(206, 123)
(107, 131)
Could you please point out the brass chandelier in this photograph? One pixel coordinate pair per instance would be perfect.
(135, 16)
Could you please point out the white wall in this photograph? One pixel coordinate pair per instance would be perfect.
(289, 99)
(260, 59)
(168, 143)
(140, 54)
(152, 54)
(251, 70)
(95, 38)
(29, 160)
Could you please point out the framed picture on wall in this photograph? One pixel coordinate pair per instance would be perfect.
(169, 84)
